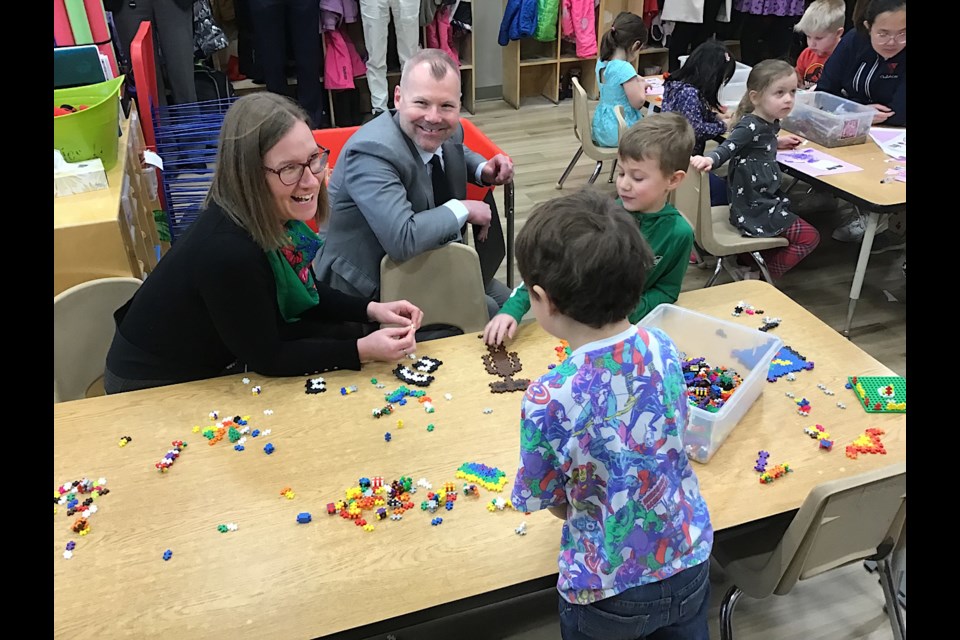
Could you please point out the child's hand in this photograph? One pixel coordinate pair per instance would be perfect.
(882, 113)
(789, 141)
(701, 163)
(502, 326)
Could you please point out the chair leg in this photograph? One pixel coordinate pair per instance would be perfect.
(569, 168)
(730, 600)
(613, 171)
(596, 172)
(763, 267)
(716, 272)
(890, 597)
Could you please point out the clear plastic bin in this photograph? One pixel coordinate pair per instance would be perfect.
(745, 350)
(829, 120)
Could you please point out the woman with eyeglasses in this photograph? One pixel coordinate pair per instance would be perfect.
(869, 65)
(236, 292)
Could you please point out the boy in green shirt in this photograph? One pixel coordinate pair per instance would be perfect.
(653, 157)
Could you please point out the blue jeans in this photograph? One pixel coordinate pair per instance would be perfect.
(718, 191)
(673, 609)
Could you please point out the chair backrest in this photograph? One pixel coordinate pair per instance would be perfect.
(621, 121)
(583, 125)
(687, 198)
(445, 283)
(844, 521)
(333, 139)
(478, 142)
(83, 329)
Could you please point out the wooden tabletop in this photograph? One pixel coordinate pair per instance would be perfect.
(864, 187)
(276, 578)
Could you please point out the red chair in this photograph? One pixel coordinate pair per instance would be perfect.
(334, 139)
(480, 143)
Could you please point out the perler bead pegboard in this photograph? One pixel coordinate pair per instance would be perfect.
(787, 360)
(880, 394)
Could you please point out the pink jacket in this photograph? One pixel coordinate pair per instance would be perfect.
(577, 23)
(439, 33)
(342, 63)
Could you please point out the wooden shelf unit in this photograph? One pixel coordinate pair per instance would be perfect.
(534, 68)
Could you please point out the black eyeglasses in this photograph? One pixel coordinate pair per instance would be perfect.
(292, 173)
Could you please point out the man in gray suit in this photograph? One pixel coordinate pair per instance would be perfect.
(399, 184)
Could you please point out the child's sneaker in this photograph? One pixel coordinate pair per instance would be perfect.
(743, 272)
(851, 231)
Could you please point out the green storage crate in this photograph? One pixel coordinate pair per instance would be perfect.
(93, 132)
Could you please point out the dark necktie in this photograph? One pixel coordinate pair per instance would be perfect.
(441, 190)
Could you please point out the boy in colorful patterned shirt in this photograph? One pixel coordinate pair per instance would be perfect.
(600, 442)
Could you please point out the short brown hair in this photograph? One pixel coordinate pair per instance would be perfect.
(440, 64)
(587, 254)
(665, 137)
(252, 126)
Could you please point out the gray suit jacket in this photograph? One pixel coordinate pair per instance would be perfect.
(381, 203)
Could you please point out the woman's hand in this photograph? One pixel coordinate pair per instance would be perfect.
(789, 141)
(386, 345)
(399, 312)
(502, 326)
(882, 113)
(702, 163)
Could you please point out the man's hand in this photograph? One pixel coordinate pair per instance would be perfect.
(399, 312)
(502, 326)
(497, 170)
(789, 141)
(478, 213)
(882, 113)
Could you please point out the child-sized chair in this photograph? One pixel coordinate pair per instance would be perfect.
(83, 329)
(445, 283)
(583, 129)
(841, 522)
(712, 229)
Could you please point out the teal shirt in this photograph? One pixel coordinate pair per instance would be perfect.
(670, 237)
(606, 131)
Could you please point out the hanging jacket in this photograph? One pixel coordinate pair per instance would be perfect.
(341, 62)
(439, 33)
(578, 23)
(691, 11)
(547, 13)
(334, 12)
(519, 21)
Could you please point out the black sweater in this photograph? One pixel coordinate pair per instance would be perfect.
(855, 71)
(212, 301)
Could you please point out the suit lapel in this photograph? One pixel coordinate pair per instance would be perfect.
(422, 179)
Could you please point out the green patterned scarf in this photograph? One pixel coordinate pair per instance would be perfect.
(296, 290)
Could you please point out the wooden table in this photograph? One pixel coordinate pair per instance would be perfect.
(867, 192)
(279, 579)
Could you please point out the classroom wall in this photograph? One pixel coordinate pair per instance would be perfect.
(487, 15)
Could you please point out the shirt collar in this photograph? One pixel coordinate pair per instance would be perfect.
(425, 156)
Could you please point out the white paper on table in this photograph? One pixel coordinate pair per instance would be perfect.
(894, 145)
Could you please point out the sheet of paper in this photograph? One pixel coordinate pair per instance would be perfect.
(893, 142)
(654, 86)
(815, 163)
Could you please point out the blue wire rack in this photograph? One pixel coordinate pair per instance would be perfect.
(186, 137)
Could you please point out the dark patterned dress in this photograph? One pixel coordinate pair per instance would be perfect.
(758, 208)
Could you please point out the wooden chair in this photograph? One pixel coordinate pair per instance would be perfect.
(712, 229)
(445, 283)
(843, 521)
(583, 129)
(83, 329)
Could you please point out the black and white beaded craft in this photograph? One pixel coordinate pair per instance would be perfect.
(409, 376)
(315, 385)
(427, 365)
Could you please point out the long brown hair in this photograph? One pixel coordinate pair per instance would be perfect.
(627, 29)
(761, 77)
(251, 127)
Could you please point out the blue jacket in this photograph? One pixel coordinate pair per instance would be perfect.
(856, 72)
(519, 21)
